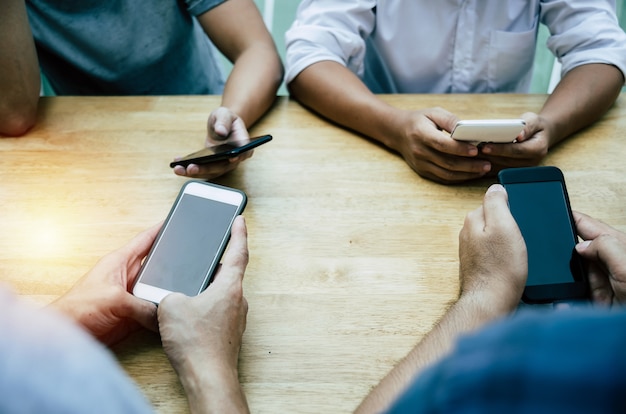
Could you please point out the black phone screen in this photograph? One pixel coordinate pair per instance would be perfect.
(189, 245)
(541, 211)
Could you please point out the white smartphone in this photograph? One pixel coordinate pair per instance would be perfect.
(191, 242)
(488, 130)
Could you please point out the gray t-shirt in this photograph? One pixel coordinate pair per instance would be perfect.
(125, 47)
(49, 365)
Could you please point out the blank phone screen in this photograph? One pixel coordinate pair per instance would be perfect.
(187, 250)
(541, 212)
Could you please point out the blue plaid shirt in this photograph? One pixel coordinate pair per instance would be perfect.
(567, 361)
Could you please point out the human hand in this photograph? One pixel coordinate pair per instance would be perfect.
(492, 253)
(530, 148)
(432, 153)
(605, 250)
(223, 126)
(202, 335)
(101, 300)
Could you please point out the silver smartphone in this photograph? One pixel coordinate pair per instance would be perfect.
(488, 130)
(191, 242)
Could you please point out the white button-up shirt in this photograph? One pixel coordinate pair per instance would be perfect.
(451, 46)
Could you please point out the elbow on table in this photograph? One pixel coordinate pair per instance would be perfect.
(17, 120)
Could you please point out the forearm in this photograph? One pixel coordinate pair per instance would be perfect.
(257, 70)
(19, 72)
(581, 97)
(334, 92)
(212, 389)
(467, 314)
(252, 84)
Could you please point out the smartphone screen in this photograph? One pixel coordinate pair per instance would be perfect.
(220, 152)
(191, 242)
(539, 203)
(540, 210)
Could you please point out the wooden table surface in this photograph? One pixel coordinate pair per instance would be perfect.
(353, 255)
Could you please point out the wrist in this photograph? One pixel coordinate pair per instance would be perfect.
(552, 130)
(488, 306)
(68, 307)
(391, 128)
(212, 387)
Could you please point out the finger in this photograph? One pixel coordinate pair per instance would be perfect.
(241, 157)
(475, 219)
(180, 170)
(221, 123)
(443, 143)
(443, 176)
(448, 168)
(608, 251)
(137, 248)
(211, 170)
(495, 200)
(608, 254)
(589, 228)
(600, 290)
(498, 163)
(460, 164)
(532, 127)
(442, 118)
(236, 257)
(430, 134)
(220, 130)
(496, 207)
(141, 311)
(529, 151)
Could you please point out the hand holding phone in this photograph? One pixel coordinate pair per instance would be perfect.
(539, 202)
(605, 250)
(191, 242)
(488, 130)
(221, 151)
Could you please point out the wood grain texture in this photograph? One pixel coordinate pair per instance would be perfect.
(353, 255)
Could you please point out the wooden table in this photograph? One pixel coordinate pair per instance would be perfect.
(353, 255)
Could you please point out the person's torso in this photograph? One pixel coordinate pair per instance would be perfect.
(123, 47)
(452, 46)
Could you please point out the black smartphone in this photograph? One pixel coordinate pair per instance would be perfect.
(540, 205)
(191, 242)
(222, 151)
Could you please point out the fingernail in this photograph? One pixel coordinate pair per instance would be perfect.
(221, 129)
(583, 245)
(193, 169)
(495, 187)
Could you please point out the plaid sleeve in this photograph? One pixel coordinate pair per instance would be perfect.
(564, 361)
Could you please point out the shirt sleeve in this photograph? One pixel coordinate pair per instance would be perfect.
(48, 364)
(569, 361)
(329, 30)
(198, 7)
(584, 32)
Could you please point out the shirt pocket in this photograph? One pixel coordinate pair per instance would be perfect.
(511, 57)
